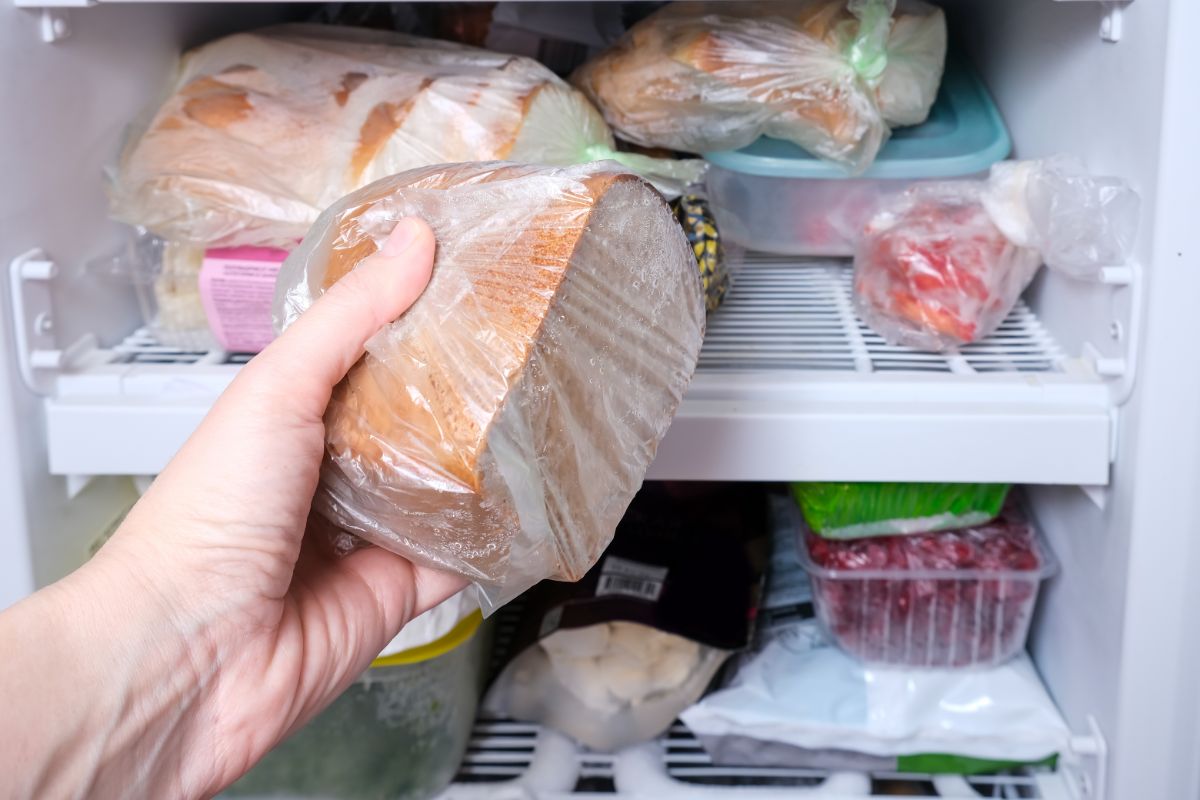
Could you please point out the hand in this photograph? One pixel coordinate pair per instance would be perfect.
(219, 627)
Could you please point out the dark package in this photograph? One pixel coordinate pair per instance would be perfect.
(612, 659)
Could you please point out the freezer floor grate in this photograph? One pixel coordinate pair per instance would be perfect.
(782, 314)
(503, 751)
(789, 313)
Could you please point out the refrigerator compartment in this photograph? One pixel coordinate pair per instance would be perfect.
(400, 731)
(776, 197)
(791, 386)
(930, 617)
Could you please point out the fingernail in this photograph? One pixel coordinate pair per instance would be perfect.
(405, 232)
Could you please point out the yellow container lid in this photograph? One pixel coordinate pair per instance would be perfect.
(461, 632)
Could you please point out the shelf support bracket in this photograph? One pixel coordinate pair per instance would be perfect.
(39, 356)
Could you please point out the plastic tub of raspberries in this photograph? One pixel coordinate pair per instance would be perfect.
(949, 599)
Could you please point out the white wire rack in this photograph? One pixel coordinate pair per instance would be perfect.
(790, 386)
(511, 759)
(797, 315)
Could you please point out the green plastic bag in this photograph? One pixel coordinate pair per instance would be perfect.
(857, 510)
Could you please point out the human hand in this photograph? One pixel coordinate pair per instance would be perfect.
(224, 627)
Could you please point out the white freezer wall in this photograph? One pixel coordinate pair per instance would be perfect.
(66, 106)
(1117, 635)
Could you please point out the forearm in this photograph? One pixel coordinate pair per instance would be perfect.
(95, 687)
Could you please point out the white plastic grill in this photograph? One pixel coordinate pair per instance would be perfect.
(788, 313)
(502, 750)
(783, 314)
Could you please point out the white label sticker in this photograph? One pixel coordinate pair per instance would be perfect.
(621, 576)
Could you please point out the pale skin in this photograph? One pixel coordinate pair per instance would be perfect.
(211, 626)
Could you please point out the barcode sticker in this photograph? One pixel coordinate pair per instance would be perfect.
(621, 576)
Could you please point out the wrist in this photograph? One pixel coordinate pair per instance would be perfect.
(106, 692)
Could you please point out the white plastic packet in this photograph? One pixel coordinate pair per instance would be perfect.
(801, 691)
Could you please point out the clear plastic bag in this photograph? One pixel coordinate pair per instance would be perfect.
(943, 264)
(715, 76)
(501, 426)
(934, 272)
(262, 131)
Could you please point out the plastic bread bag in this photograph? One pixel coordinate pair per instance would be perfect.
(501, 426)
(942, 265)
(712, 76)
(261, 131)
(857, 510)
(611, 660)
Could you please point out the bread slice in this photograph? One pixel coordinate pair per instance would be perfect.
(502, 425)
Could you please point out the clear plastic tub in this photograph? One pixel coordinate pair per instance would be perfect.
(398, 733)
(774, 197)
(935, 600)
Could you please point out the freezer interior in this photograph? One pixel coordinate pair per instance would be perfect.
(1087, 401)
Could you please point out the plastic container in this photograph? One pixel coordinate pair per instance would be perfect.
(855, 510)
(936, 600)
(775, 197)
(398, 733)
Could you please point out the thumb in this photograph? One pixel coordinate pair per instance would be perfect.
(315, 353)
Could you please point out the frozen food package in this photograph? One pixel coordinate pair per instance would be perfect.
(949, 599)
(261, 131)
(708, 76)
(793, 699)
(799, 702)
(942, 265)
(611, 660)
(857, 510)
(500, 427)
(932, 271)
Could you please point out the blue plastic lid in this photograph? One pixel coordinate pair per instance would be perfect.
(964, 134)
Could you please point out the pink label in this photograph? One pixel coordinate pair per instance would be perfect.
(237, 285)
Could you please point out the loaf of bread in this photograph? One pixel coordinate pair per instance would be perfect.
(501, 426)
(706, 76)
(262, 131)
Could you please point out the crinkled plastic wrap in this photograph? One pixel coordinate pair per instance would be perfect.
(943, 264)
(713, 76)
(501, 426)
(262, 131)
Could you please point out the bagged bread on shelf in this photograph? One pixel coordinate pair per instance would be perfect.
(857, 510)
(707, 76)
(501, 426)
(611, 660)
(943, 264)
(262, 131)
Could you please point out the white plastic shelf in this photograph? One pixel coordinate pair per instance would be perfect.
(517, 760)
(790, 386)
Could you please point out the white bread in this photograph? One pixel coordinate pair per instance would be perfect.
(264, 130)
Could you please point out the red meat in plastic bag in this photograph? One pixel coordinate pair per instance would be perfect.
(934, 272)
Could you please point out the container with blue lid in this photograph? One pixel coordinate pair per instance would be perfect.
(774, 196)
